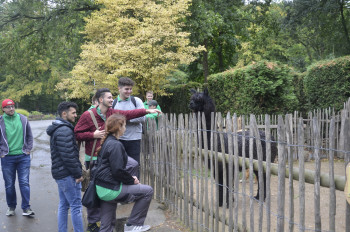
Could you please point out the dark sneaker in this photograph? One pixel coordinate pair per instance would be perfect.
(93, 227)
(10, 211)
(136, 228)
(28, 212)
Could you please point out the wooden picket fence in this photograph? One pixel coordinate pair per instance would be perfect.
(176, 156)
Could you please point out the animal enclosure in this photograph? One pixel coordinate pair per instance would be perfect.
(310, 199)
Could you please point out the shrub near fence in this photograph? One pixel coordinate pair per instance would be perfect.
(327, 83)
(262, 87)
(176, 166)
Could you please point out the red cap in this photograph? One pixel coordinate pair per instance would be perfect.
(7, 102)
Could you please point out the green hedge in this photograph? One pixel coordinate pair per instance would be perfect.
(260, 88)
(327, 83)
(23, 111)
(178, 99)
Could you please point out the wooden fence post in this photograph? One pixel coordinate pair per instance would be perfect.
(281, 173)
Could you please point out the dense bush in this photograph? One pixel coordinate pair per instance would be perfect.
(298, 83)
(178, 99)
(327, 83)
(259, 88)
(22, 111)
(35, 113)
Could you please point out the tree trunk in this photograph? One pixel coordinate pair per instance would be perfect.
(221, 59)
(346, 32)
(205, 62)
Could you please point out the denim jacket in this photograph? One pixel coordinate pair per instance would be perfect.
(27, 137)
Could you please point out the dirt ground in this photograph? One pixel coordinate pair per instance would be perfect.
(309, 203)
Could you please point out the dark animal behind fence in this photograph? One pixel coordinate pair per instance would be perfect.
(202, 102)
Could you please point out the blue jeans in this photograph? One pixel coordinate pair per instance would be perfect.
(70, 197)
(10, 164)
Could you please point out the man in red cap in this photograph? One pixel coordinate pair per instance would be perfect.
(16, 142)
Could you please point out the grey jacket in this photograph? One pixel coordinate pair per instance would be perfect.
(134, 126)
(27, 136)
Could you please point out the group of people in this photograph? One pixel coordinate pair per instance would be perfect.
(112, 131)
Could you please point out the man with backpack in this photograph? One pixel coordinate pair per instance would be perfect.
(133, 134)
(87, 131)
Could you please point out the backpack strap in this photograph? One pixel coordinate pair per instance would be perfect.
(133, 100)
(95, 140)
(114, 103)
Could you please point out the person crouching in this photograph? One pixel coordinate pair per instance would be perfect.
(116, 180)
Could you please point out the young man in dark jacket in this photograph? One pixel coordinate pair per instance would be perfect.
(66, 168)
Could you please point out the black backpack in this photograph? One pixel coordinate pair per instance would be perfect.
(132, 100)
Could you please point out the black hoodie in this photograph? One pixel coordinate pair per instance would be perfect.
(64, 150)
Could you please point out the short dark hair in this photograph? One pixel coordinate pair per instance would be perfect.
(101, 93)
(64, 107)
(125, 81)
(152, 103)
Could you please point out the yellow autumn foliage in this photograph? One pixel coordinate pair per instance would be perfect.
(140, 39)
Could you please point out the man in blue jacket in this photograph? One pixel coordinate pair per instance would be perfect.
(16, 142)
(66, 168)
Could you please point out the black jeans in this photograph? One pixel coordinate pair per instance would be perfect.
(133, 149)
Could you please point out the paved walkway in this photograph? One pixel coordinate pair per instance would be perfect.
(44, 196)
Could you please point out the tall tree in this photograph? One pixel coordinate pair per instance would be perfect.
(214, 25)
(39, 43)
(141, 39)
(321, 26)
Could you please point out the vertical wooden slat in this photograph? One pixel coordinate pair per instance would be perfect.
(202, 170)
(344, 141)
(197, 166)
(317, 198)
(268, 172)
(186, 181)
(244, 198)
(281, 173)
(260, 169)
(290, 165)
(176, 166)
(236, 175)
(332, 196)
(213, 166)
(190, 169)
(180, 165)
(219, 122)
(230, 170)
(206, 200)
(214, 172)
(301, 176)
(251, 189)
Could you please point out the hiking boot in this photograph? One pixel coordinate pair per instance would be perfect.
(136, 228)
(93, 227)
(28, 212)
(10, 211)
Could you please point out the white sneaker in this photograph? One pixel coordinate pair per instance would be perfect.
(136, 228)
(10, 212)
